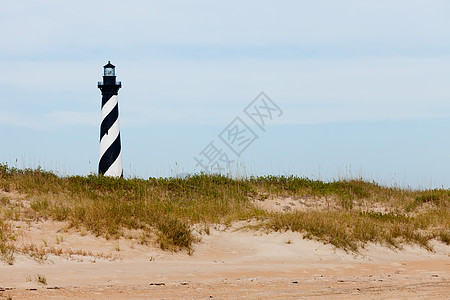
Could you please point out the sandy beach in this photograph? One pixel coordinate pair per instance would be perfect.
(228, 263)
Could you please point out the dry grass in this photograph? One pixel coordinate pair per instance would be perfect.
(166, 209)
(352, 230)
(7, 238)
(406, 216)
(163, 208)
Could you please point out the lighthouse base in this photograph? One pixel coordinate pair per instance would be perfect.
(115, 170)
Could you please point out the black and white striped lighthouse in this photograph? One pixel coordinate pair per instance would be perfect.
(110, 163)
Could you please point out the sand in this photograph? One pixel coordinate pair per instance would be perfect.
(229, 263)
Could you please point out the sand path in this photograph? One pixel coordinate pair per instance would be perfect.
(226, 264)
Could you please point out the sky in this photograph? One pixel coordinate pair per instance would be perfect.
(358, 88)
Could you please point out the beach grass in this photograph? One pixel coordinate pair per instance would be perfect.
(165, 210)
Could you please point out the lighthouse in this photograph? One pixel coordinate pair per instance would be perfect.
(110, 163)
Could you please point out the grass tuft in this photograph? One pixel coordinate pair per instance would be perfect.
(41, 279)
(444, 236)
(175, 235)
(7, 238)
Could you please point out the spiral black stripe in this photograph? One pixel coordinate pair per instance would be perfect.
(107, 95)
(109, 120)
(110, 156)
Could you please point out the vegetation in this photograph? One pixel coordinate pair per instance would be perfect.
(7, 238)
(165, 209)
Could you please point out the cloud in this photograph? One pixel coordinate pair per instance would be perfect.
(201, 62)
(211, 92)
(310, 91)
(51, 120)
(64, 118)
(14, 119)
(54, 27)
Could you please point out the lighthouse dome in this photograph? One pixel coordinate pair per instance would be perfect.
(109, 69)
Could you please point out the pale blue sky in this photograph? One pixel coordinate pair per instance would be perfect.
(364, 85)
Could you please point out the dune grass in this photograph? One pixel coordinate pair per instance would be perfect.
(353, 230)
(407, 216)
(7, 238)
(161, 208)
(165, 209)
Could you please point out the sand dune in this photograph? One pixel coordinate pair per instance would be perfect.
(229, 263)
